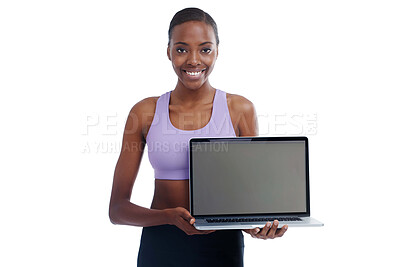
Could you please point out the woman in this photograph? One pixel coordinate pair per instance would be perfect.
(166, 123)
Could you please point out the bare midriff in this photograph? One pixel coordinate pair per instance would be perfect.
(170, 194)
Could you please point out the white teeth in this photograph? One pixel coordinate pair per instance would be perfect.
(193, 73)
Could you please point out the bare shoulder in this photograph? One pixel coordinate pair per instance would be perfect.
(239, 104)
(243, 115)
(147, 104)
(142, 114)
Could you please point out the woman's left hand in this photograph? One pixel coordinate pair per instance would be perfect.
(269, 231)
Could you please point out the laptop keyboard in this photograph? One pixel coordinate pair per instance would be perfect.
(268, 219)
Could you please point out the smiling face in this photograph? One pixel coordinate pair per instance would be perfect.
(193, 52)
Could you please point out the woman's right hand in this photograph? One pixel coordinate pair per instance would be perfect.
(181, 218)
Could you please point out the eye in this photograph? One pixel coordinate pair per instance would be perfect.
(180, 50)
(206, 50)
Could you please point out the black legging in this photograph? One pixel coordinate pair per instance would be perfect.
(167, 245)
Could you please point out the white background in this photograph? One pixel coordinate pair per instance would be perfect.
(71, 70)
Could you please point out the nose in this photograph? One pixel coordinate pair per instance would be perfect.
(193, 59)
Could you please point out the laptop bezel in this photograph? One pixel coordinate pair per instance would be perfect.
(252, 139)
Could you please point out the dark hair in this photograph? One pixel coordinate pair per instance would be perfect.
(192, 14)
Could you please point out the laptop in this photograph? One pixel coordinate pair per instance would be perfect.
(245, 182)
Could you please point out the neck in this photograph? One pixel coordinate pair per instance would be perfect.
(188, 96)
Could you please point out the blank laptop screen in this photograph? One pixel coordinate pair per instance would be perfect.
(248, 177)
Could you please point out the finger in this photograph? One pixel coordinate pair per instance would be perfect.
(281, 231)
(197, 231)
(187, 216)
(271, 233)
(185, 226)
(253, 232)
(194, 230)
(264, 230)
(201, 232)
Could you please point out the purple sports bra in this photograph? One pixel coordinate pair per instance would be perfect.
(168, 146)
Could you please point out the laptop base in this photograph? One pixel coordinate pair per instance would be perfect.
(202, 224)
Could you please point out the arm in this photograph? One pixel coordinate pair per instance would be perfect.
(121, 210)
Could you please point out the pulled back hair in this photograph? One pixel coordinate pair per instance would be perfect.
(192, 14)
